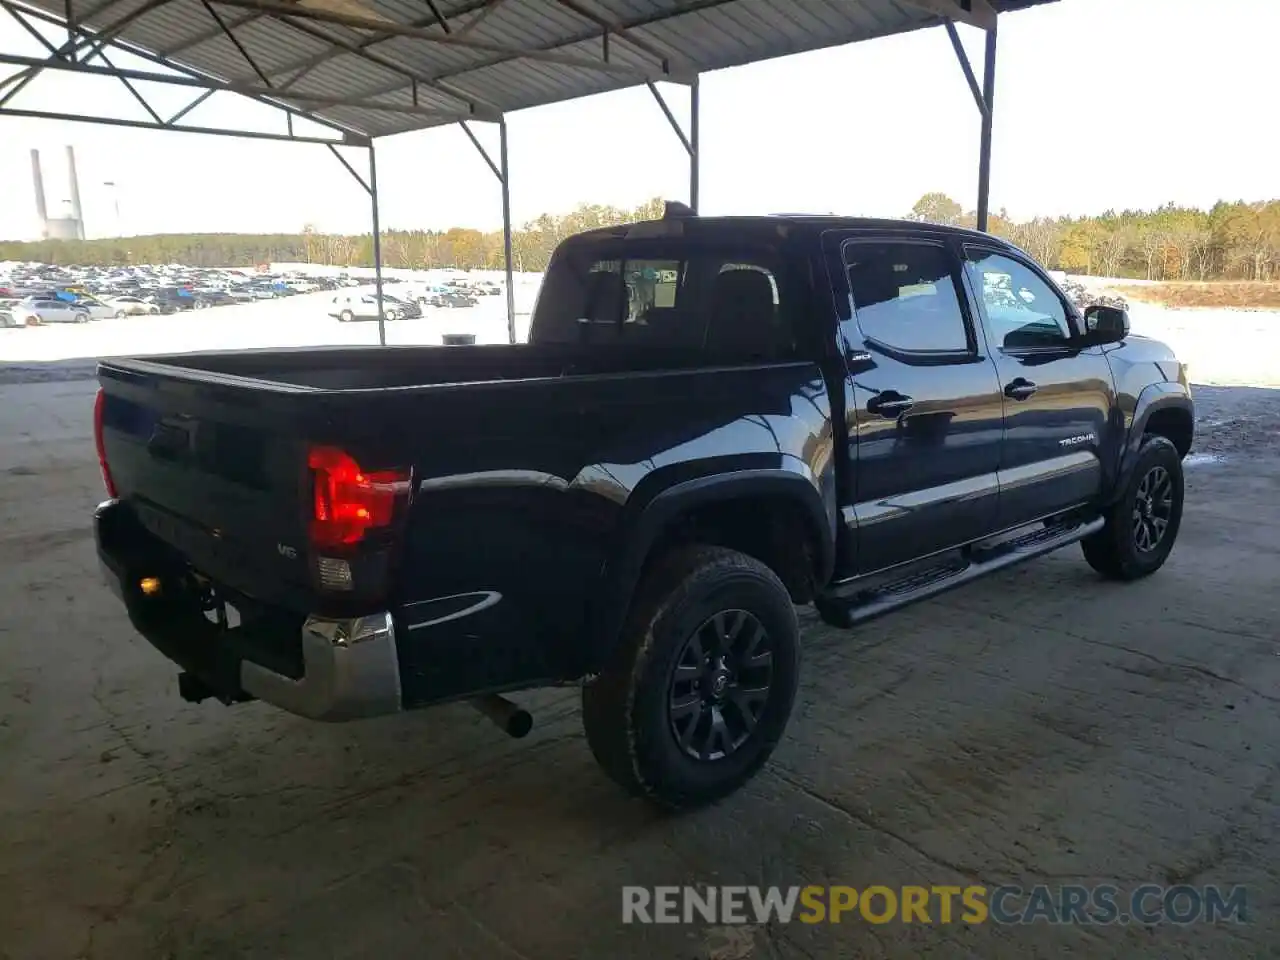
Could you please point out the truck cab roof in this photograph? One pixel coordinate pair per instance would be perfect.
(776, 227)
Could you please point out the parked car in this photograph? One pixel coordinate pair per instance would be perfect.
(97, 309)
(173, 299)
(203, 299)
(713, 420)
(8, 318)
(347, 307)
(130, 306)
(451, 298)
(33, 310)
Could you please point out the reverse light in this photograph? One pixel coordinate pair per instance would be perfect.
(347, 501)
(98, 403)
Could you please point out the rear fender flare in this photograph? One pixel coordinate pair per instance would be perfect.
(622, 573)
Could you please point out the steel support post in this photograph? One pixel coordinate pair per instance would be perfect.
(984, 149)
(693, 144)
(505, 177)
(377, 245)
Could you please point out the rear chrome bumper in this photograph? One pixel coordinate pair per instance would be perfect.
(350, 671)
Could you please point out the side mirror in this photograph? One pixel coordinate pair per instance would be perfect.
(1104, 324)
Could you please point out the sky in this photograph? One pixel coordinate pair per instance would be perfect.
(1099, 104)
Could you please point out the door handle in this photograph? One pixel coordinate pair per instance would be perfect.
(1019, 389)
(889, 403)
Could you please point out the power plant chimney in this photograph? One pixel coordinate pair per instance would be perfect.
(76, 213)
(41, 210)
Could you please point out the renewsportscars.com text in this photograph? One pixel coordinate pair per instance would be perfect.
(1147, 904)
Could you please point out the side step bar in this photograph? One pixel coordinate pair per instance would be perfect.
(856, 603)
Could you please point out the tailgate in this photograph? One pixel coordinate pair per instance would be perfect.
(213, 470)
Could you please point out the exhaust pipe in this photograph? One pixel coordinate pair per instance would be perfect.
(508, 717)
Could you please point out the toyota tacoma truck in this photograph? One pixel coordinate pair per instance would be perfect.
(713, 420)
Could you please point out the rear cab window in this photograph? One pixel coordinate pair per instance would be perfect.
(728, 302)
(907, 297)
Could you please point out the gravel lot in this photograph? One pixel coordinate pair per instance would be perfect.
(1040, 726)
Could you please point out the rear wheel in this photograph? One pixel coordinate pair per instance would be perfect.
(392, 315)
(703, 682)
(346, 316)
(1142, 525)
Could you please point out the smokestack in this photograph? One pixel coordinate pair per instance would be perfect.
(41, 210)
(76, 215)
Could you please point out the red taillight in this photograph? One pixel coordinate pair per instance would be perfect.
(98, 442)
(347, 502)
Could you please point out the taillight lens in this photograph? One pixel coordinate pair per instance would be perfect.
(347, 501)
(98, 403)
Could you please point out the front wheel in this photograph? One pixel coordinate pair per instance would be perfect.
(346, 316)
(1142, 525)
(392, 315)
(702, 684)
(121, 314)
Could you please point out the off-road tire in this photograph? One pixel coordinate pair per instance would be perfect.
(625, 709)
(1113, 551)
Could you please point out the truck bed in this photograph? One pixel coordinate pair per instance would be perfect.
(211, 450)
(384, 368)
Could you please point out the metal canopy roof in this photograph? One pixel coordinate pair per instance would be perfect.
(376, 67)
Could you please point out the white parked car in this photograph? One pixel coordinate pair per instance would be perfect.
(33, 310)
(97, 309)
(132, 307)
(355, 306)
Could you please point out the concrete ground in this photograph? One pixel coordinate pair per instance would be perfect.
(1041, 726)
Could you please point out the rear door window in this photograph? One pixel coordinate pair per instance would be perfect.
(906, 297)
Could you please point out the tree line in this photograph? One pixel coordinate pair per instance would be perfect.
(459, 247)
(1237, 240)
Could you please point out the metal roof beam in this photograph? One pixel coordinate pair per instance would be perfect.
(99, 39)
(678, 75)
(26, 25)
(392, 29)
(78, 38)
(231, 86)
(479, 109)
(481, 16)
(235, 41)
(304, 67)
(976, 13)
(206, 35)
(440, 78)
(351, 139)
(612, 29)
(102, 55)
(966, 68)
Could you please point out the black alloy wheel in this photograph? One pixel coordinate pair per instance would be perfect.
(1141, 525)
(720, 684)
(1152, 509)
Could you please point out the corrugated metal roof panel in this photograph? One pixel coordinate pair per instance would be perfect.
(693, 35)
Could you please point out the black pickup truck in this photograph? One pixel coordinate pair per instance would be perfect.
(714, 419)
